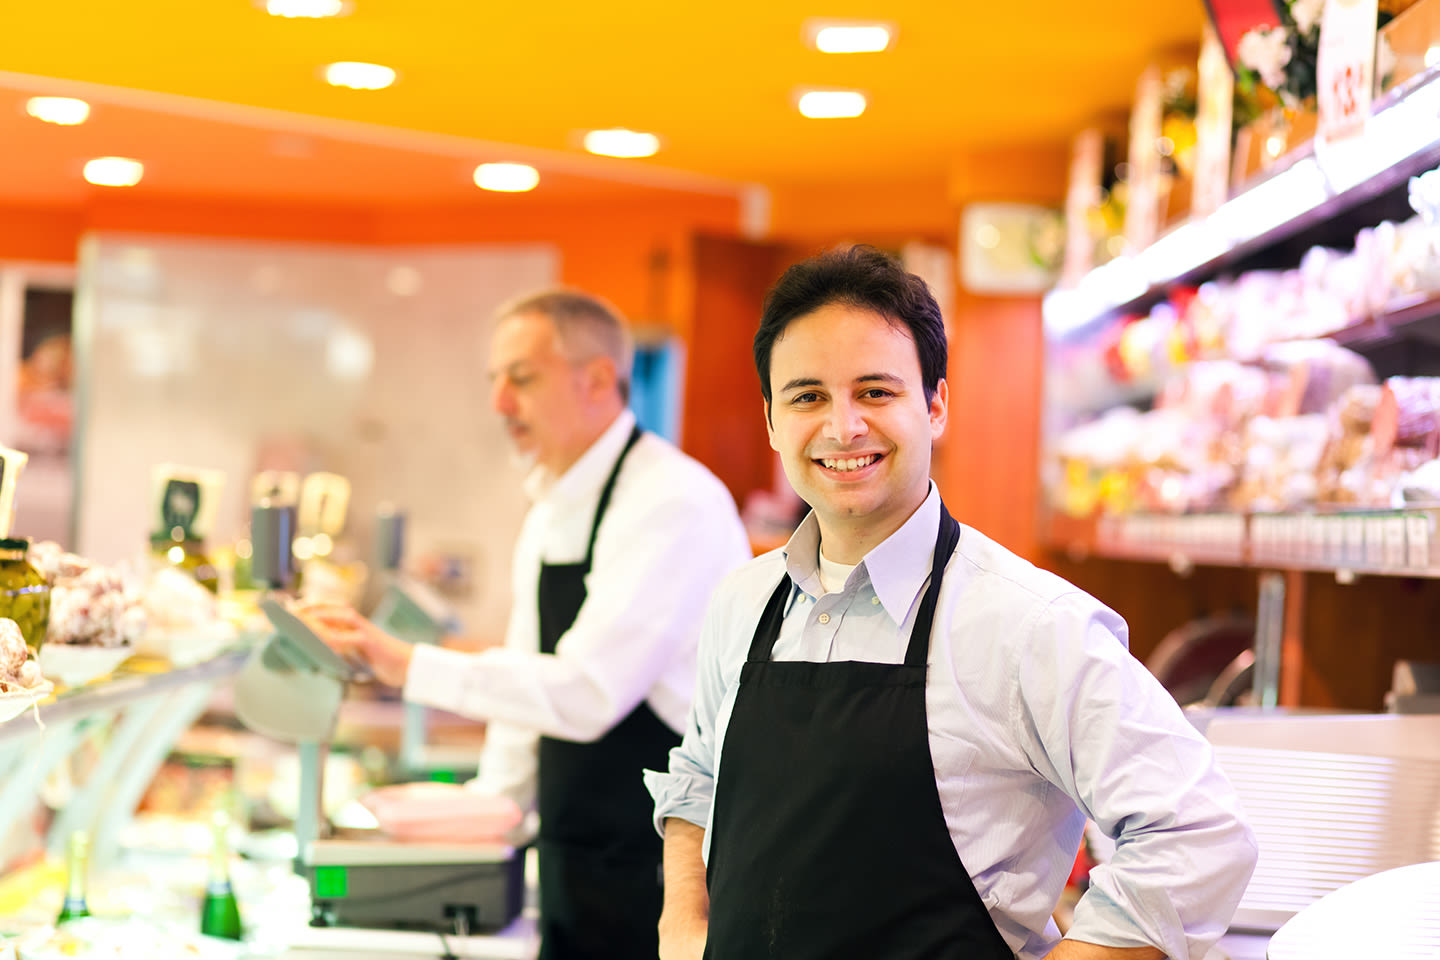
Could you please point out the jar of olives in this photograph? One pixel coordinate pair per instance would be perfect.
(24, 594)
(187, 554)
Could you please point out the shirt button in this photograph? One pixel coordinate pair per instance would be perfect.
(824, 618)
(874, 601)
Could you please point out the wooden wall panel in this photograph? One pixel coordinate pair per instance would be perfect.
(1354, 634)
(723, 423)
(987, 462)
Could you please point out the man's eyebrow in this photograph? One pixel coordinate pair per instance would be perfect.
(800, 382)
(508, 368)
(880, 378)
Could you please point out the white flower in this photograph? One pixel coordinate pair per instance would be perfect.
(1306, 14)
(1266, 51)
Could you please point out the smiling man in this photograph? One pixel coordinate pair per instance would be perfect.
(899, 726)
(624, 541)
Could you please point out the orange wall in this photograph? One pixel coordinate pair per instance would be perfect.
(607, 247)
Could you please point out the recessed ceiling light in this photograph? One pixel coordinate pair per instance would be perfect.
(832, 103)
(65, 111)
(306, 8)
(114, 171)
(506, 177)
(831, 37)
(359, 76)
(622, 143)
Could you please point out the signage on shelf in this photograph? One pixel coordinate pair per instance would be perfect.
(1345, 68)
(1214, 106)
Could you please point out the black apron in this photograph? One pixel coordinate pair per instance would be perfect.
(828, 838)
(600, 892)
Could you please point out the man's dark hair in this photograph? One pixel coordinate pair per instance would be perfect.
(859, 276)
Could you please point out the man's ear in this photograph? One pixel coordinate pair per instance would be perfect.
(769, 426)
(939, 409)
(601, 375)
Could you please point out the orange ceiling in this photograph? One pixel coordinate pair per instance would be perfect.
(479, 81)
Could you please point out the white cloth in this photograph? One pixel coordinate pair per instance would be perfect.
(1034, 707)
(670, 534)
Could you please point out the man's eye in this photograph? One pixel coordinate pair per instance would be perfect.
(877, 393)
(805, 398)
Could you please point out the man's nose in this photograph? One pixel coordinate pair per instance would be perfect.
(502, 396)
(844, 422)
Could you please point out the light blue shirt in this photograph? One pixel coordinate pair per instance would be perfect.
(1038, 717)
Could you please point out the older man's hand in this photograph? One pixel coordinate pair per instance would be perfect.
(358, 640)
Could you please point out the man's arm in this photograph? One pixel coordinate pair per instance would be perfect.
(685, 918)
(1079, 950)
(1105, 732)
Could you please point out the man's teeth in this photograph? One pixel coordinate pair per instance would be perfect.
(844, 466)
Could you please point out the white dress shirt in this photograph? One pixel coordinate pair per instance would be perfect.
(669, 535)
(1034, 707)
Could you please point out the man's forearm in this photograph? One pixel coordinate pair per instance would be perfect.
(1080, 950)
(685, 918)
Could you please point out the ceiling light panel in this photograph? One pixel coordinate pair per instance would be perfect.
(114, 171)
(622, 143)
(829, 104)
(309, 9)
(66, 111)
(830, 36)
(506, 177)
(359, 76)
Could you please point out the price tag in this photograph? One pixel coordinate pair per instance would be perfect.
(1345, 67)
(1354, 540)
(1395, 541)
(1417, 539)
(1375, 541)
(1334, 540)
(1314, 539)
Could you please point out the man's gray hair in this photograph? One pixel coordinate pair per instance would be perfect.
(588, 327)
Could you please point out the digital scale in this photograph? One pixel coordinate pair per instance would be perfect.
(291, 689)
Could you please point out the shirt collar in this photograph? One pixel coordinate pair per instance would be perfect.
(587, 475)
(897, 568)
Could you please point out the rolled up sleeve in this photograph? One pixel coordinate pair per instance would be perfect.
(687, 789)
(1111, 736)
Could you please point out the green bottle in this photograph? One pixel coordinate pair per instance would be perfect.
(220, 914)
(77, 857)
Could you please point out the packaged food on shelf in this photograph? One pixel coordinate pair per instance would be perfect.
(21, 682)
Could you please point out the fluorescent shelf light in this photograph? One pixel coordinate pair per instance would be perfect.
(852, 38)
(506, 177)
(1268, 204)
(622, 143)
(1065, 311)
(65, 111)
(312, 9)
(114, 171)
(1114, 283)
(359, 76)
(1181, 250)
(829, 104)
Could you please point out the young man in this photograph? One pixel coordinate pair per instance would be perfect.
(899, 726)
(624, 542)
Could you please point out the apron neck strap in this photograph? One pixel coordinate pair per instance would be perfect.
(945, 542)
(605, 492)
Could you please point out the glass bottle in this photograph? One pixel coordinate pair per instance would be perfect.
(181, 550)
(24, 594)
(220, 913)
(77, 858)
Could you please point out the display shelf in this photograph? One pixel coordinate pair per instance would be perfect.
(1393, 543)
(123, 689)
(1313, 195)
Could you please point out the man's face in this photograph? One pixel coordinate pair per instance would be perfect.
(537, 390)
(849, 418)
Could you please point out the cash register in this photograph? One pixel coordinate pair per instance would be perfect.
(291, 689)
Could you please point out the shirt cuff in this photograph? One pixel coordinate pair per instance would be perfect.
(438, 677)
(679, 795)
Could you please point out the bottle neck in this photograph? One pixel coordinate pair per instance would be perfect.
(77, 860)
